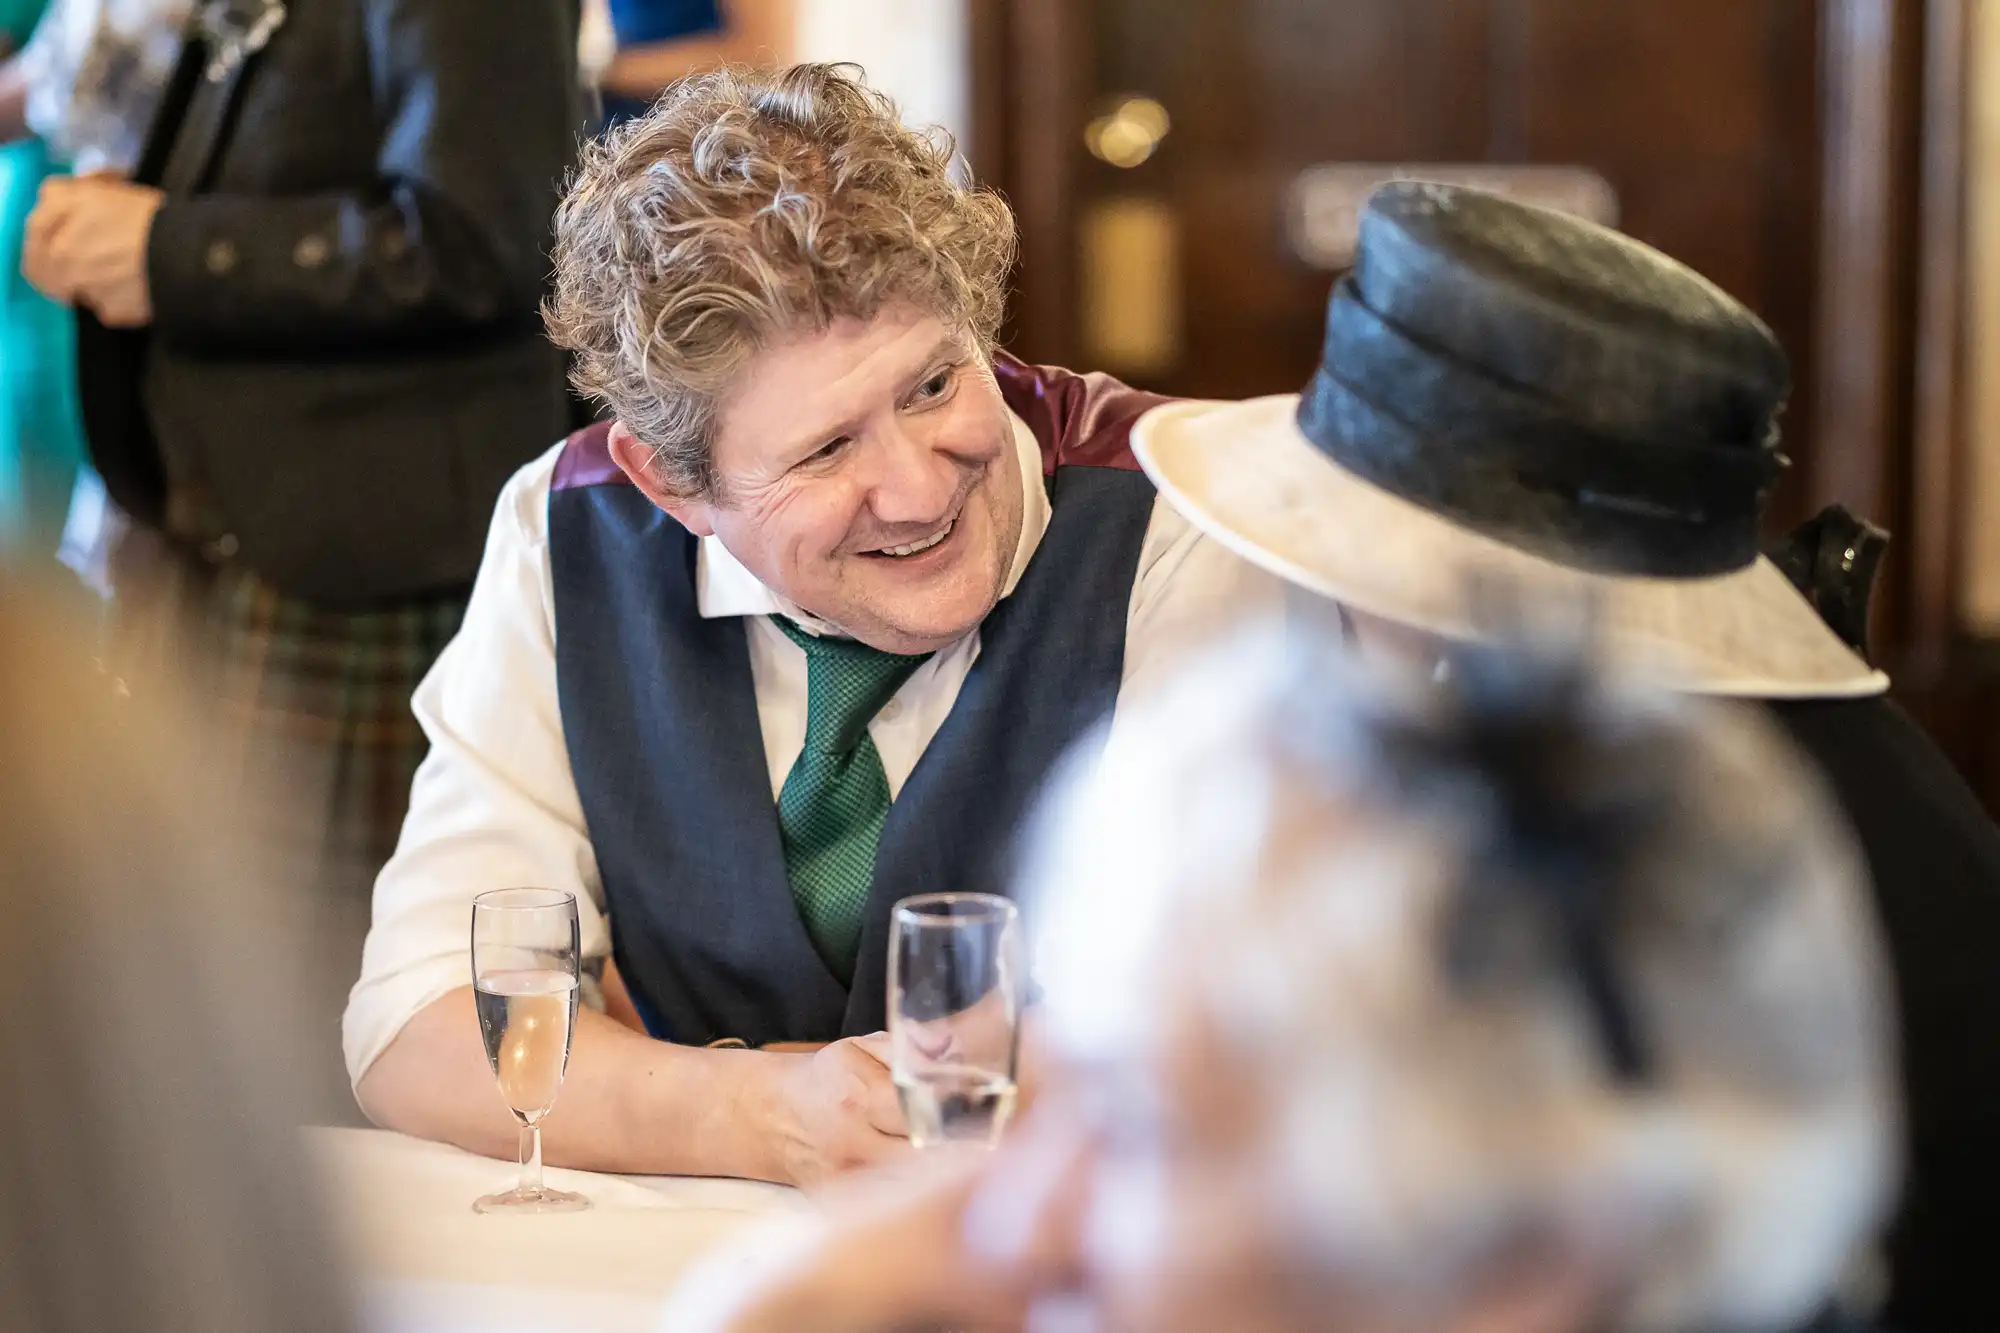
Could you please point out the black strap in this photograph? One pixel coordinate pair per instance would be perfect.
(171, 111)
(200, 133)
(181, 145)
(223, 38)
(111, 363)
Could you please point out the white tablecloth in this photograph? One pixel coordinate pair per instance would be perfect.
(429, 1264)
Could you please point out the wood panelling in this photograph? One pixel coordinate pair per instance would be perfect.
(1873, 67)
(1937, 511)
(1980, 512)
(1703, 114)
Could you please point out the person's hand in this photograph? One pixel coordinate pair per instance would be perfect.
(836, 1110)
(86, 245)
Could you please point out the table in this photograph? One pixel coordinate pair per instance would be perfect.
(429, 1264)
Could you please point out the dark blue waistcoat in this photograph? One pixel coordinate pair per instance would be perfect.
(660, 717)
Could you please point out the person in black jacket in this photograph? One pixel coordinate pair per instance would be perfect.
(1516, 406)
(310, 354)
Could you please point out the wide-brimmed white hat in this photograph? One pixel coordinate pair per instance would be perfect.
(1514, 398)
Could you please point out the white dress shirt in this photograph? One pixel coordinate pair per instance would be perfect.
(495, 805)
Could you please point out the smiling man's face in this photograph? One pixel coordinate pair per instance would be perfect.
(868, 474)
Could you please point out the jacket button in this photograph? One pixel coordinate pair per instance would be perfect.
(311, 251)
(220, 257)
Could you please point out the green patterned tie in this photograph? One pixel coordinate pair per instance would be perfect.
(834, 800)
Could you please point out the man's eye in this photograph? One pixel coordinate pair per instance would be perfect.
(935, 385)
(832, 449)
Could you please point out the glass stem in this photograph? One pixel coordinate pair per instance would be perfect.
(531, 1158)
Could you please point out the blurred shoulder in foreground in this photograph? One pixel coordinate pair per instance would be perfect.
(151, 1175)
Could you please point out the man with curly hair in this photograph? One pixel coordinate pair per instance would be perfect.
(797, 632)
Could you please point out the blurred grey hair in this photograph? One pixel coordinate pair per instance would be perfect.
(151, 1178)
(1236, 855)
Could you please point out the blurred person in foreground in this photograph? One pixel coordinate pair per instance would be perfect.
(1510, 395)
(158, 1066)
(310, 357)
(798, 634)
(1525, 1004)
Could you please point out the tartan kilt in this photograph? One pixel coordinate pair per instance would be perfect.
(304, 713)
(307, 705)
(321, 696)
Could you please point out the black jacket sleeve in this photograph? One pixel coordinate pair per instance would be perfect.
(1935, 857)
(477, 112)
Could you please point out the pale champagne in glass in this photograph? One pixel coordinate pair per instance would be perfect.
(525, 1017)
(525, 960)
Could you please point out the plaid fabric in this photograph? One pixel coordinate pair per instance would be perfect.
(318, 698)
(308, 707)
(310, 704)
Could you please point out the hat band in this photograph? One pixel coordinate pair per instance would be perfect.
(1520, 468)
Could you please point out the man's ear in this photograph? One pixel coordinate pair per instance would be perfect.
(634, 458)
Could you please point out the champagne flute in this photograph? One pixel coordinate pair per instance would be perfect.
(524, 981)
(956, 976)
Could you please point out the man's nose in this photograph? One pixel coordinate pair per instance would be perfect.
(912, 483)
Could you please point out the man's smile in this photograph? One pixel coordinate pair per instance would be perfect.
(921, 545)
(938, 538)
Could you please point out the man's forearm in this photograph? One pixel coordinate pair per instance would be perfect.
(629, 1103)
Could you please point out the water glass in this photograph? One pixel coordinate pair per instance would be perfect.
(957, 974)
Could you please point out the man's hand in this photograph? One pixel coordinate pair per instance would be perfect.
(86, 245)
(836, 1110)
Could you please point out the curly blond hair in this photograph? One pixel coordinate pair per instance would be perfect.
(748, 204)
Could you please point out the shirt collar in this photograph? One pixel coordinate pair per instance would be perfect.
(723, 587)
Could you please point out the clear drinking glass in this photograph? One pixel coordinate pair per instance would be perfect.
(524, 981)
(956, 975)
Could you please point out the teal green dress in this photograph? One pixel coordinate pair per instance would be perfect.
(41, 432)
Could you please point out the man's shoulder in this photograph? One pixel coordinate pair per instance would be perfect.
(1079, 420)
(1177, 552)
(584, 459)
(521, 514)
